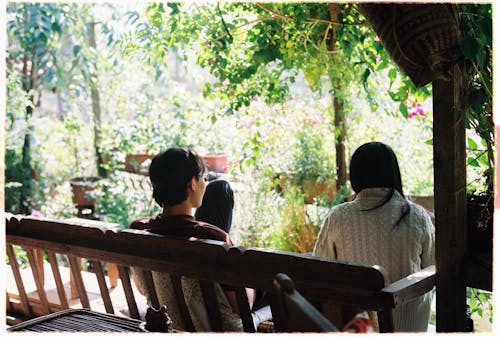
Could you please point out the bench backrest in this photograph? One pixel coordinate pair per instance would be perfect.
(319, 280)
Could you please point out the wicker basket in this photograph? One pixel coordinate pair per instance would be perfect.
(422, 39)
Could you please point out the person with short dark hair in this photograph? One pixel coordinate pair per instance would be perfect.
(179, 179)
(381, 227)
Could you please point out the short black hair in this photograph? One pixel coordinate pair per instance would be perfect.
(170, 172)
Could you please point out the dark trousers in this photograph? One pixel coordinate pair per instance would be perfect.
(217, 205)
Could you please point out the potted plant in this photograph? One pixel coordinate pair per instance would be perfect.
(138, 161)
(131, 146)
(311, 169)
(82, 186)
(215, 161)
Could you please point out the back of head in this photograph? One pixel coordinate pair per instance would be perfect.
(170, 173)
(374, 164)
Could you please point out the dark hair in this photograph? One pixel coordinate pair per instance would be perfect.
(170, 173)
(375, 164)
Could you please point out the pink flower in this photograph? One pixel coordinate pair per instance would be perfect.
(416, 110)
(225, 82)
(377, 39)
(36, 214)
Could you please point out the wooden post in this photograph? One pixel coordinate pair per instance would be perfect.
(450, 203)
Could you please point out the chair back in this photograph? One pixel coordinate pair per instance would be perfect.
(292, 312)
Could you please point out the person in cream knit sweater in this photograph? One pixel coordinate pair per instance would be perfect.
(381, 227)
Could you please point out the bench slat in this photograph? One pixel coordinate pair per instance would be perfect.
(76, 272)
(245, 312)
(19, 281)
(150, 286)
(181, 302)
(103, 287)
(385, 320)
(57, 278)
(37, 276)
(127, 289)
(211, 305)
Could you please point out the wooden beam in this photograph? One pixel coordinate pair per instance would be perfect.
(450, 203)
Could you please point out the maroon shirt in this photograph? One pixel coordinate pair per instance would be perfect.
(184, 226)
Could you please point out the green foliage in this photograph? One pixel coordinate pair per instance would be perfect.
(118, 203)
(480, 303)
(163, 121)
(34, 31)
(476, 25)
(21, 257)
(295, 232)
(311, 158)
(13, 180)
(73, 128)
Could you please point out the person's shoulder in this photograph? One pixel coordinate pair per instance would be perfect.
(421, 218)
(209, 228)
(212, 232)
(141, 223)
(342, 209)
(418, 210)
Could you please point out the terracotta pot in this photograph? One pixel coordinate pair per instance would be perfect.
(136, 163)
(80, 187)
(215, 162)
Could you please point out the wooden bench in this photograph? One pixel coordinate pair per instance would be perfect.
(323, 282)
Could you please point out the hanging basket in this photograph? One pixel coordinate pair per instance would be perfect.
(422, 39)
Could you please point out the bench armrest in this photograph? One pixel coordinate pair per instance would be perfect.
(412, 286)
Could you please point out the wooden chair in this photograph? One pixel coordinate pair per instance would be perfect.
(293, 313)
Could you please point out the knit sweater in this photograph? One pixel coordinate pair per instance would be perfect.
(353, 234)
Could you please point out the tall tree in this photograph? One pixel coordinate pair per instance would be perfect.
(84, 35)
(34, 31)
(96, 104)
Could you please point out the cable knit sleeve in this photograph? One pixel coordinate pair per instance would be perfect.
(428, 243)
(324, 246)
